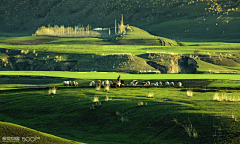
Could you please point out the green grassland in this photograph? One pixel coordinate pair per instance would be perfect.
(161, 119)
(90, 50)
(114, 75)
(211, 38)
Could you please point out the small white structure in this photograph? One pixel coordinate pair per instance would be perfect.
(98, 29)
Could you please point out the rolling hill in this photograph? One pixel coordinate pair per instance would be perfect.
(182, 20)
(14, 130)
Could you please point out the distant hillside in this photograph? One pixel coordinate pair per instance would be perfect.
(182, 20)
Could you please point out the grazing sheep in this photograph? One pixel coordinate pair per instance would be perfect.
(113, 83)
(154, 84)
(65, 83)
(134, 82)
(70, 83)
(167, 83)
(171, 83)
(106, 85)
(148, 83)
(160, 83)
(99, 82)
(118, 84)
(179, 84)
(98, 85)
(74, 83)
(122, 82)
(92, 83)
(144, 83)
(106, 82)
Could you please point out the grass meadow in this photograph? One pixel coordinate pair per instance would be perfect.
(170, 116)
(194, 113)
(114, 75)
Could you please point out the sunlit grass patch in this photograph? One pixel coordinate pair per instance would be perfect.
(224, 97)
(52, 90)
(189, 93)
(150, 95)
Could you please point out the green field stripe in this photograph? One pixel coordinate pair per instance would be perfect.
(113, 75)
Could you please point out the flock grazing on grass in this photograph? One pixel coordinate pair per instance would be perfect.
(70, 83)
(120, 83)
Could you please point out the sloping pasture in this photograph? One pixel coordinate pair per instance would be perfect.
(129, 117)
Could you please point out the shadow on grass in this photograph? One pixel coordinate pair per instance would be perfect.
(151, 123)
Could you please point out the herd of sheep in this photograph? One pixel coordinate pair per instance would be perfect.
(120, 83)
(70, 83)
(132, 83)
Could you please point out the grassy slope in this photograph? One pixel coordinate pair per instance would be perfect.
(205, 66)
(89, 50)
(14, 130)
(142, 35)
(67, 114)
(175, 19)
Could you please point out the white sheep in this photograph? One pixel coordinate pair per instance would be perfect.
(106, 82)
(171, 83)
(65, 83)
(154, 84)
(134, 82)
(106, 85)
(167, 83)
(118, 84)
(92, 83)
(179, 84)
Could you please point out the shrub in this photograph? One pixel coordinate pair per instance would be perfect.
(150, 95)
(189, 93)
(52, 91)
